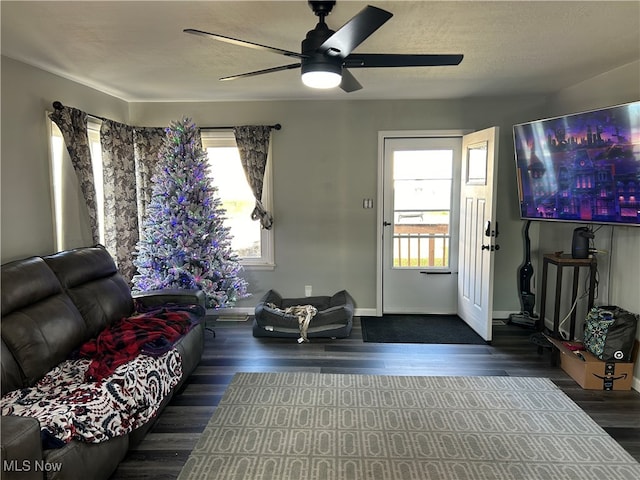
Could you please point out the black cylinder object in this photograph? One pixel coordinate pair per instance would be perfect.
(580, 242)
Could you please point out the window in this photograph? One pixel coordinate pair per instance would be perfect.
(253, 244)
(57, 153)
(67, 210)
(93, 131)
(422, 189)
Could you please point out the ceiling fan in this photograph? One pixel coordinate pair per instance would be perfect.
(326, 55)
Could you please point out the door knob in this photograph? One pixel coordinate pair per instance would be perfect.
(386, 224)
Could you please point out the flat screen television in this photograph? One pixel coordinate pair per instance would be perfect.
(583, 167)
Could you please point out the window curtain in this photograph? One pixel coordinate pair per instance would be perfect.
(120, 198)
(73, 125)
(129, 157)
(147, 144)
(253, 146)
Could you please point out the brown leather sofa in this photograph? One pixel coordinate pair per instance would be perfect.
(50, 306)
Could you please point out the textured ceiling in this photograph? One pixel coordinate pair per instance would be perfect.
(137, 51)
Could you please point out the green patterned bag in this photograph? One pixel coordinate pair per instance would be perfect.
(610, 332)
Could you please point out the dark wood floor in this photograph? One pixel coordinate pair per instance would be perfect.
(167, 446)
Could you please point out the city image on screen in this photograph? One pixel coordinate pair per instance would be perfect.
(582, 167)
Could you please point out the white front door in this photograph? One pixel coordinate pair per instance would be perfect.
(420, 224)
(478, 230)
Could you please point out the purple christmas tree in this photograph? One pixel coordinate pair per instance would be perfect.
(184, 242)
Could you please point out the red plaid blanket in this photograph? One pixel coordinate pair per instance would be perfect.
(152, 333)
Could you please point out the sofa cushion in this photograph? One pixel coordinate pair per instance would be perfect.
(90, 277)
(11, 377)
(21, 444)
(40, 324)
(25, 282)
(95, 461)
(191, 347)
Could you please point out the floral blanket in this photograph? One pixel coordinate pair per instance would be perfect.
(70, 408)
(114, 384)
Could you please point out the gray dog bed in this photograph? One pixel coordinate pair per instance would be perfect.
(334, 317)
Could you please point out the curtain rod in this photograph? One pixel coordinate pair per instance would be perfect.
(277, 126)
(58, 105)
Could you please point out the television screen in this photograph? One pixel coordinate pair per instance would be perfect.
(583, 167)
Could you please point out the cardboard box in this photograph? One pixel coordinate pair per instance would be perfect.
(592, 373)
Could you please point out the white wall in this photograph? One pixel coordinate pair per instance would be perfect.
(325, 163)
(27, 92)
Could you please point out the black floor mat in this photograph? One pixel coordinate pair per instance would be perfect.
(418, 329)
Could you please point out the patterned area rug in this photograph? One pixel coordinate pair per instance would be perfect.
(290, 426)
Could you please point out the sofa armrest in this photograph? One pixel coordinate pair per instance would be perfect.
(21, 448)
(153, 298)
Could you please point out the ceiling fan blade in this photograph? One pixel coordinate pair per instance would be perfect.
(349, 82)
(371, 60)
(260, 72)
(244, 43)
(354, 32)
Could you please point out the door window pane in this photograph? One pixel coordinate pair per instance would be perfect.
(422, 190)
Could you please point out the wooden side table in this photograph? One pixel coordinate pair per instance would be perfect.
(562, 261)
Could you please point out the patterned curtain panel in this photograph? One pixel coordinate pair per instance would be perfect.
(253, 145)
(120, 199)
(147, 144)
(73, 125)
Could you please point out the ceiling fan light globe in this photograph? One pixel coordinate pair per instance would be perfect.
(321, 79)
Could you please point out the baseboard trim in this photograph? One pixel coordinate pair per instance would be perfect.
(231, 311)
(359, 312)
